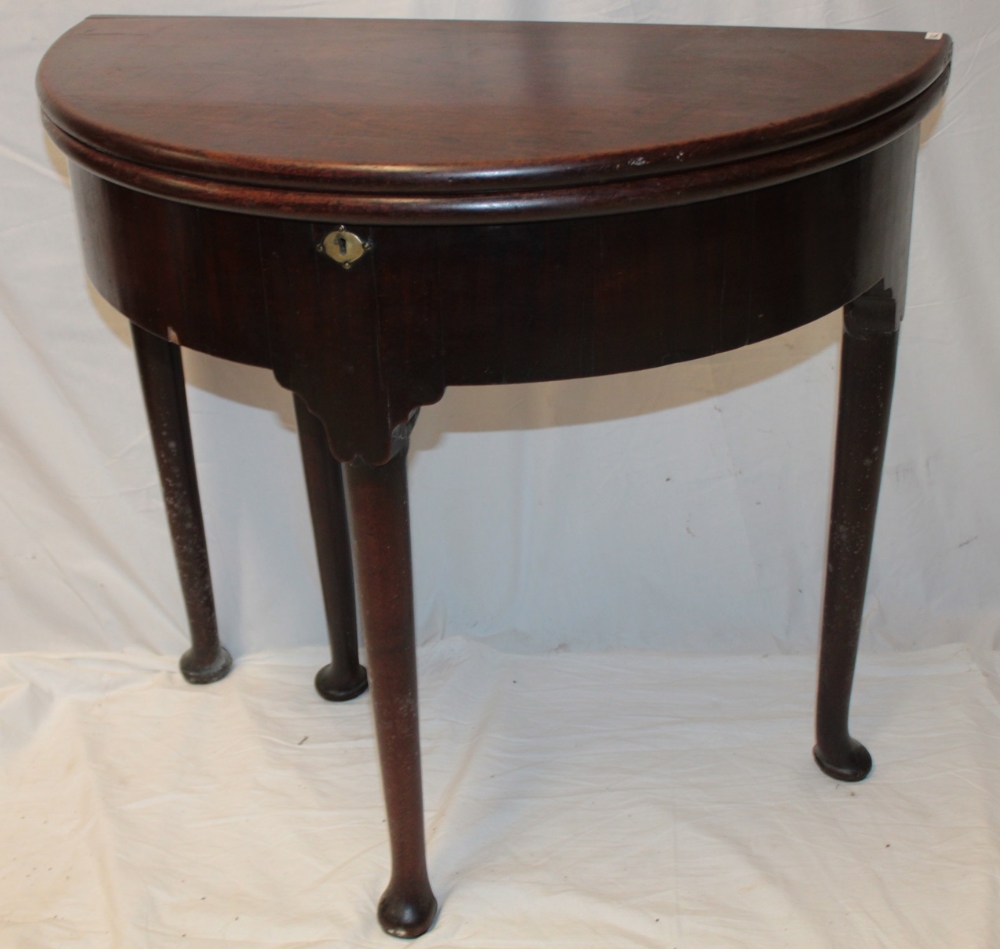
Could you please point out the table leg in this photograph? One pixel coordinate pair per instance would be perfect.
(380, 528)
(344, 677)
(867, 369)
(162, 376)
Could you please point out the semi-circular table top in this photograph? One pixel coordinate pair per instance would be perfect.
(390, 121)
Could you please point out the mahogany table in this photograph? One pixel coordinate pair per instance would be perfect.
(379, 209)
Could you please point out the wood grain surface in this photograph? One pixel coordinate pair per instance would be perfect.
(475, 116)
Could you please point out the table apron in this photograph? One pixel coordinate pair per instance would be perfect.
(433, 306)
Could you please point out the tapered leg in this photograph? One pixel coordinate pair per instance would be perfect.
(867, 369)
(162, 378)
(380, 527)
(344, 677)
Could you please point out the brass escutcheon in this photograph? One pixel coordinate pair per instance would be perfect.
(344, 247)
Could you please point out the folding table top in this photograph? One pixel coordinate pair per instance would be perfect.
(458, 108)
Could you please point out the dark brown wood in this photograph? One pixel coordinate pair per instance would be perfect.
(503, 105)
(162, 376)
(188, 274)
(638, 194)
(380, 527)
(421, 121)
(439, 306)
(540, 201)
(867, 370)
(344, 678)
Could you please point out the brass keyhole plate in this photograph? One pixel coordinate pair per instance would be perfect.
(344, 247)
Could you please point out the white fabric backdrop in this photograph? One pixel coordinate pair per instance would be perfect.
(573, 800)
(678, 511)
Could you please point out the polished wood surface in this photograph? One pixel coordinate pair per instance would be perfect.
(443, 305)
(507, 121)
(161, 375)
(344, 678)
(380, 529)
(512, 234)
(867, 370)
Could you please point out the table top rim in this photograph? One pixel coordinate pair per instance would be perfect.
(70, 111)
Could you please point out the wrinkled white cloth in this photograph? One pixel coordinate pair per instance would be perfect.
(573, 800)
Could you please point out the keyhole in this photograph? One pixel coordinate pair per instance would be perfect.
(343, 247)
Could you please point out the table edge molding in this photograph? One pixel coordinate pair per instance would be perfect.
(637, 194)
